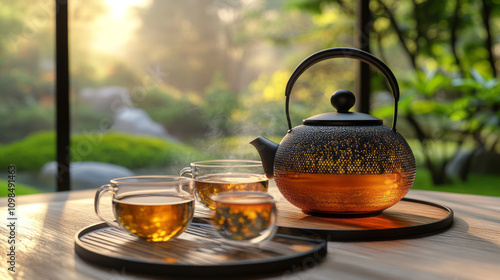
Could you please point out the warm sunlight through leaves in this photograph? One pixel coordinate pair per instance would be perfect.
(114, 30)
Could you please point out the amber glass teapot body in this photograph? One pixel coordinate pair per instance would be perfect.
(355, 171)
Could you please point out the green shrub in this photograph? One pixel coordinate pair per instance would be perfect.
(130, 150)
(31, 152)
(85, 118)
(127, 150)
(480, 184)
(19, 121)
(218, 104)
(21, 189)
(176, 111)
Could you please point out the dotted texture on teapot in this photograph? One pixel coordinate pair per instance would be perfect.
(349, 150)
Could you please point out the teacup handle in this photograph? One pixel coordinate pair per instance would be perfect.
(187, 172)
(103, 189)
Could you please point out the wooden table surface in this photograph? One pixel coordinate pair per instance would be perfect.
(47, 223)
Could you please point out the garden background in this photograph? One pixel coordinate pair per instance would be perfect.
(209, 76)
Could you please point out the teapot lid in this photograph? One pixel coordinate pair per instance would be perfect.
(342, 100)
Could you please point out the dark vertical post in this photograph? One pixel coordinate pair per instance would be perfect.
(62, 96)
(362, 82)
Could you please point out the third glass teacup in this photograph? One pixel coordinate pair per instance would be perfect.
(245, 218)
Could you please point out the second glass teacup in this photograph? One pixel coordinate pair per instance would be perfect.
(218, 176)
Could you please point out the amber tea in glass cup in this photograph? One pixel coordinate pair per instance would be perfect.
(219, 176)
(154, 208)
(244, 217)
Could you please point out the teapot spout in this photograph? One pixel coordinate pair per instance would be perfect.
(267, 150)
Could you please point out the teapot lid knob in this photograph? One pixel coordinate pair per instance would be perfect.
(343, 100)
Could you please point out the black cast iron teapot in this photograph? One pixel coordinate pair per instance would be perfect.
(343, 163)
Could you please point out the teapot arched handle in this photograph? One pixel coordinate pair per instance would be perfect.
(344, 53)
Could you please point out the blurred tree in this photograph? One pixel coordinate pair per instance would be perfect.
(218, 106)
(27, 62)
(27, 47)
(23, 80)
(448, 72)
(26, 72)
(195, 39)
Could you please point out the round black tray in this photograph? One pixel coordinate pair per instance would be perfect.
(409, 218)
(198, 252)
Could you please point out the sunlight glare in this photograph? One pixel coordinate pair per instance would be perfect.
(117, 26)
(120, 7)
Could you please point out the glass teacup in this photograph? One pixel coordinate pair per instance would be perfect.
(155, 208)
(219, 176)
(244, 218)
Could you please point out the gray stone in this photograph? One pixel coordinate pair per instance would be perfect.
(137, 121)
(116, 102)
(477, 161)
(458, 165)
(86, 174)
(109, 99)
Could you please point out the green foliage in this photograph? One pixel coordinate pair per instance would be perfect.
(312, 6)
(429, 84)
(84, 118)
(261, 109)
(439, 151)
(419, 97)
(129, 151)
(21, 189)
(186, 115)
(217, 107)
(175, 110)
(475, 184)
(118, 148)
(30, 153)
(163, 104)
(18, 122)
(23, 82)
(233, 147)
